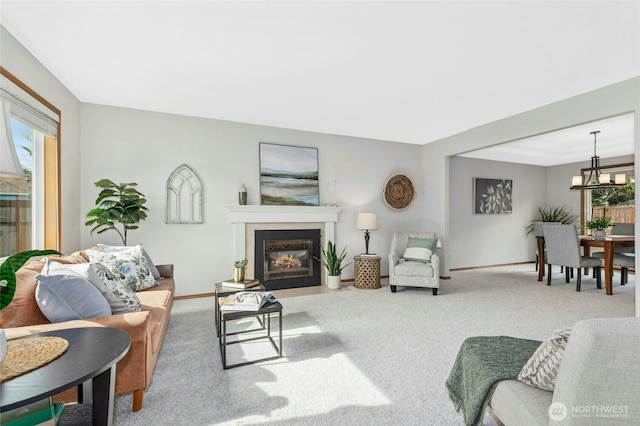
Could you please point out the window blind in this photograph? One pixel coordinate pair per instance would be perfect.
(28, 110)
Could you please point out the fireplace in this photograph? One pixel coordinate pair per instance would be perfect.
(285, 258)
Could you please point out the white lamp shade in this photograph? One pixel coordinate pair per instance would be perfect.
(576, 180)
(604, 178)
(621, 179)
(367, 221)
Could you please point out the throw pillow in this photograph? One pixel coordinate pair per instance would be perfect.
(542, 368)
(69, 297)
(117, 286)
(419, 249)
(117, 303)
(130, 265)
(114, 249)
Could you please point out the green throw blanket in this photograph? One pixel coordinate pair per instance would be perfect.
(481, 363)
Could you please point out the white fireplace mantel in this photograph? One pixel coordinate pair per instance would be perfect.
(240, 216)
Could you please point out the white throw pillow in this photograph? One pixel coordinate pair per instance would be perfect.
(130, 265)
(117, 303)
(542, 368)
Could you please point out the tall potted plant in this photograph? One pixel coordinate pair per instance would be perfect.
(560, 214)
(333, 264)
(117, 205)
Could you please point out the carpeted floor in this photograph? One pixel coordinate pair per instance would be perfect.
(356, 356)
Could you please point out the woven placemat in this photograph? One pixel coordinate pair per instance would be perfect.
(24, 355)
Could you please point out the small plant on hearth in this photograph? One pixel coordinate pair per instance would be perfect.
(332, 261)
(240, 263)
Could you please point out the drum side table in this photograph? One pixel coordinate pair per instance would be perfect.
(367, 272)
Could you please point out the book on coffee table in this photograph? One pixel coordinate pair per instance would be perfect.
(240, 284)
(246, 301)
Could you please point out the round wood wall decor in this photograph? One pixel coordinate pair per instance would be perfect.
(398, 192)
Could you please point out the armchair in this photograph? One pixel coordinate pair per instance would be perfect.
(423, 270)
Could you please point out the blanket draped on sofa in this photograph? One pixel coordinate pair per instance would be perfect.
(480, 364)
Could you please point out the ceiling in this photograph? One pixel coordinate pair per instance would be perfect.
(411, 72)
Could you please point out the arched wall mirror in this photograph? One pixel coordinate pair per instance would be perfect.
(184, 196)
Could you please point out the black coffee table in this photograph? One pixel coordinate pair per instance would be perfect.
(88, 363)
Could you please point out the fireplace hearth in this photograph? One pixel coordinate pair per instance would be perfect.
(285, 258)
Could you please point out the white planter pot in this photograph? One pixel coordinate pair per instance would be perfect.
(333, 282)
(600, 233)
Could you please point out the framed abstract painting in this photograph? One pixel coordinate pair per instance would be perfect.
(492, 196)
(288, 175)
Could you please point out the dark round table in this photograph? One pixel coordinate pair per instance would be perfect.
(88, 363)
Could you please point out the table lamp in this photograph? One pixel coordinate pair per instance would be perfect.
(367, 221)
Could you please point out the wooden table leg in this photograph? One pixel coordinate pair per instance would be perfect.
(540, 257)
(608, 267)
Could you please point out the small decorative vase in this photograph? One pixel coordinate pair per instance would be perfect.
(238, 274)
(242, 195)
(333, 282)
(599, 233)
(3, 344)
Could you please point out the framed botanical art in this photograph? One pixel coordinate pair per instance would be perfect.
(288, 175)
(492, 196)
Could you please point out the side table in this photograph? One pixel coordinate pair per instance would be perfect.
(222, 291)
(367, 272)
(89, 363)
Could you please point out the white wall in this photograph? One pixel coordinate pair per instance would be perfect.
(145, 147)
(492, 239)
(19, 62)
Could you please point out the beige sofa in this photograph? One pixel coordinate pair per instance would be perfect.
(146, 328)
(598, 381)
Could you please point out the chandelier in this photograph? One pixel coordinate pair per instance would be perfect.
(597, 179)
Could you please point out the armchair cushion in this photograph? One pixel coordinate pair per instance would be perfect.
(419, 249)
(411, 268)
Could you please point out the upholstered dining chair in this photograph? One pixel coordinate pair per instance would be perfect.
(624, 261)
(563, 249)
(414, 261)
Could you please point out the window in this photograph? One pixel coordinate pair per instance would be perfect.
(29, 175)
(617, 204)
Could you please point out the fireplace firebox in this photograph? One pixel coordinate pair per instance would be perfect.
(285, 258)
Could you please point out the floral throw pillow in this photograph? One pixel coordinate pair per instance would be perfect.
(117, 286)
(542, 368)
(130, 266)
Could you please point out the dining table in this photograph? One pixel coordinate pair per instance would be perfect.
(608, 244)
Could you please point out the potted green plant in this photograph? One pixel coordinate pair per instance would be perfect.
(238, 269)
(599, 226)
(560, 214)
(117, 205)
(8, 270)
(333, 264)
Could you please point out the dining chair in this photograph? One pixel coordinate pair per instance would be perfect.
(563, 249)
(624, 261)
